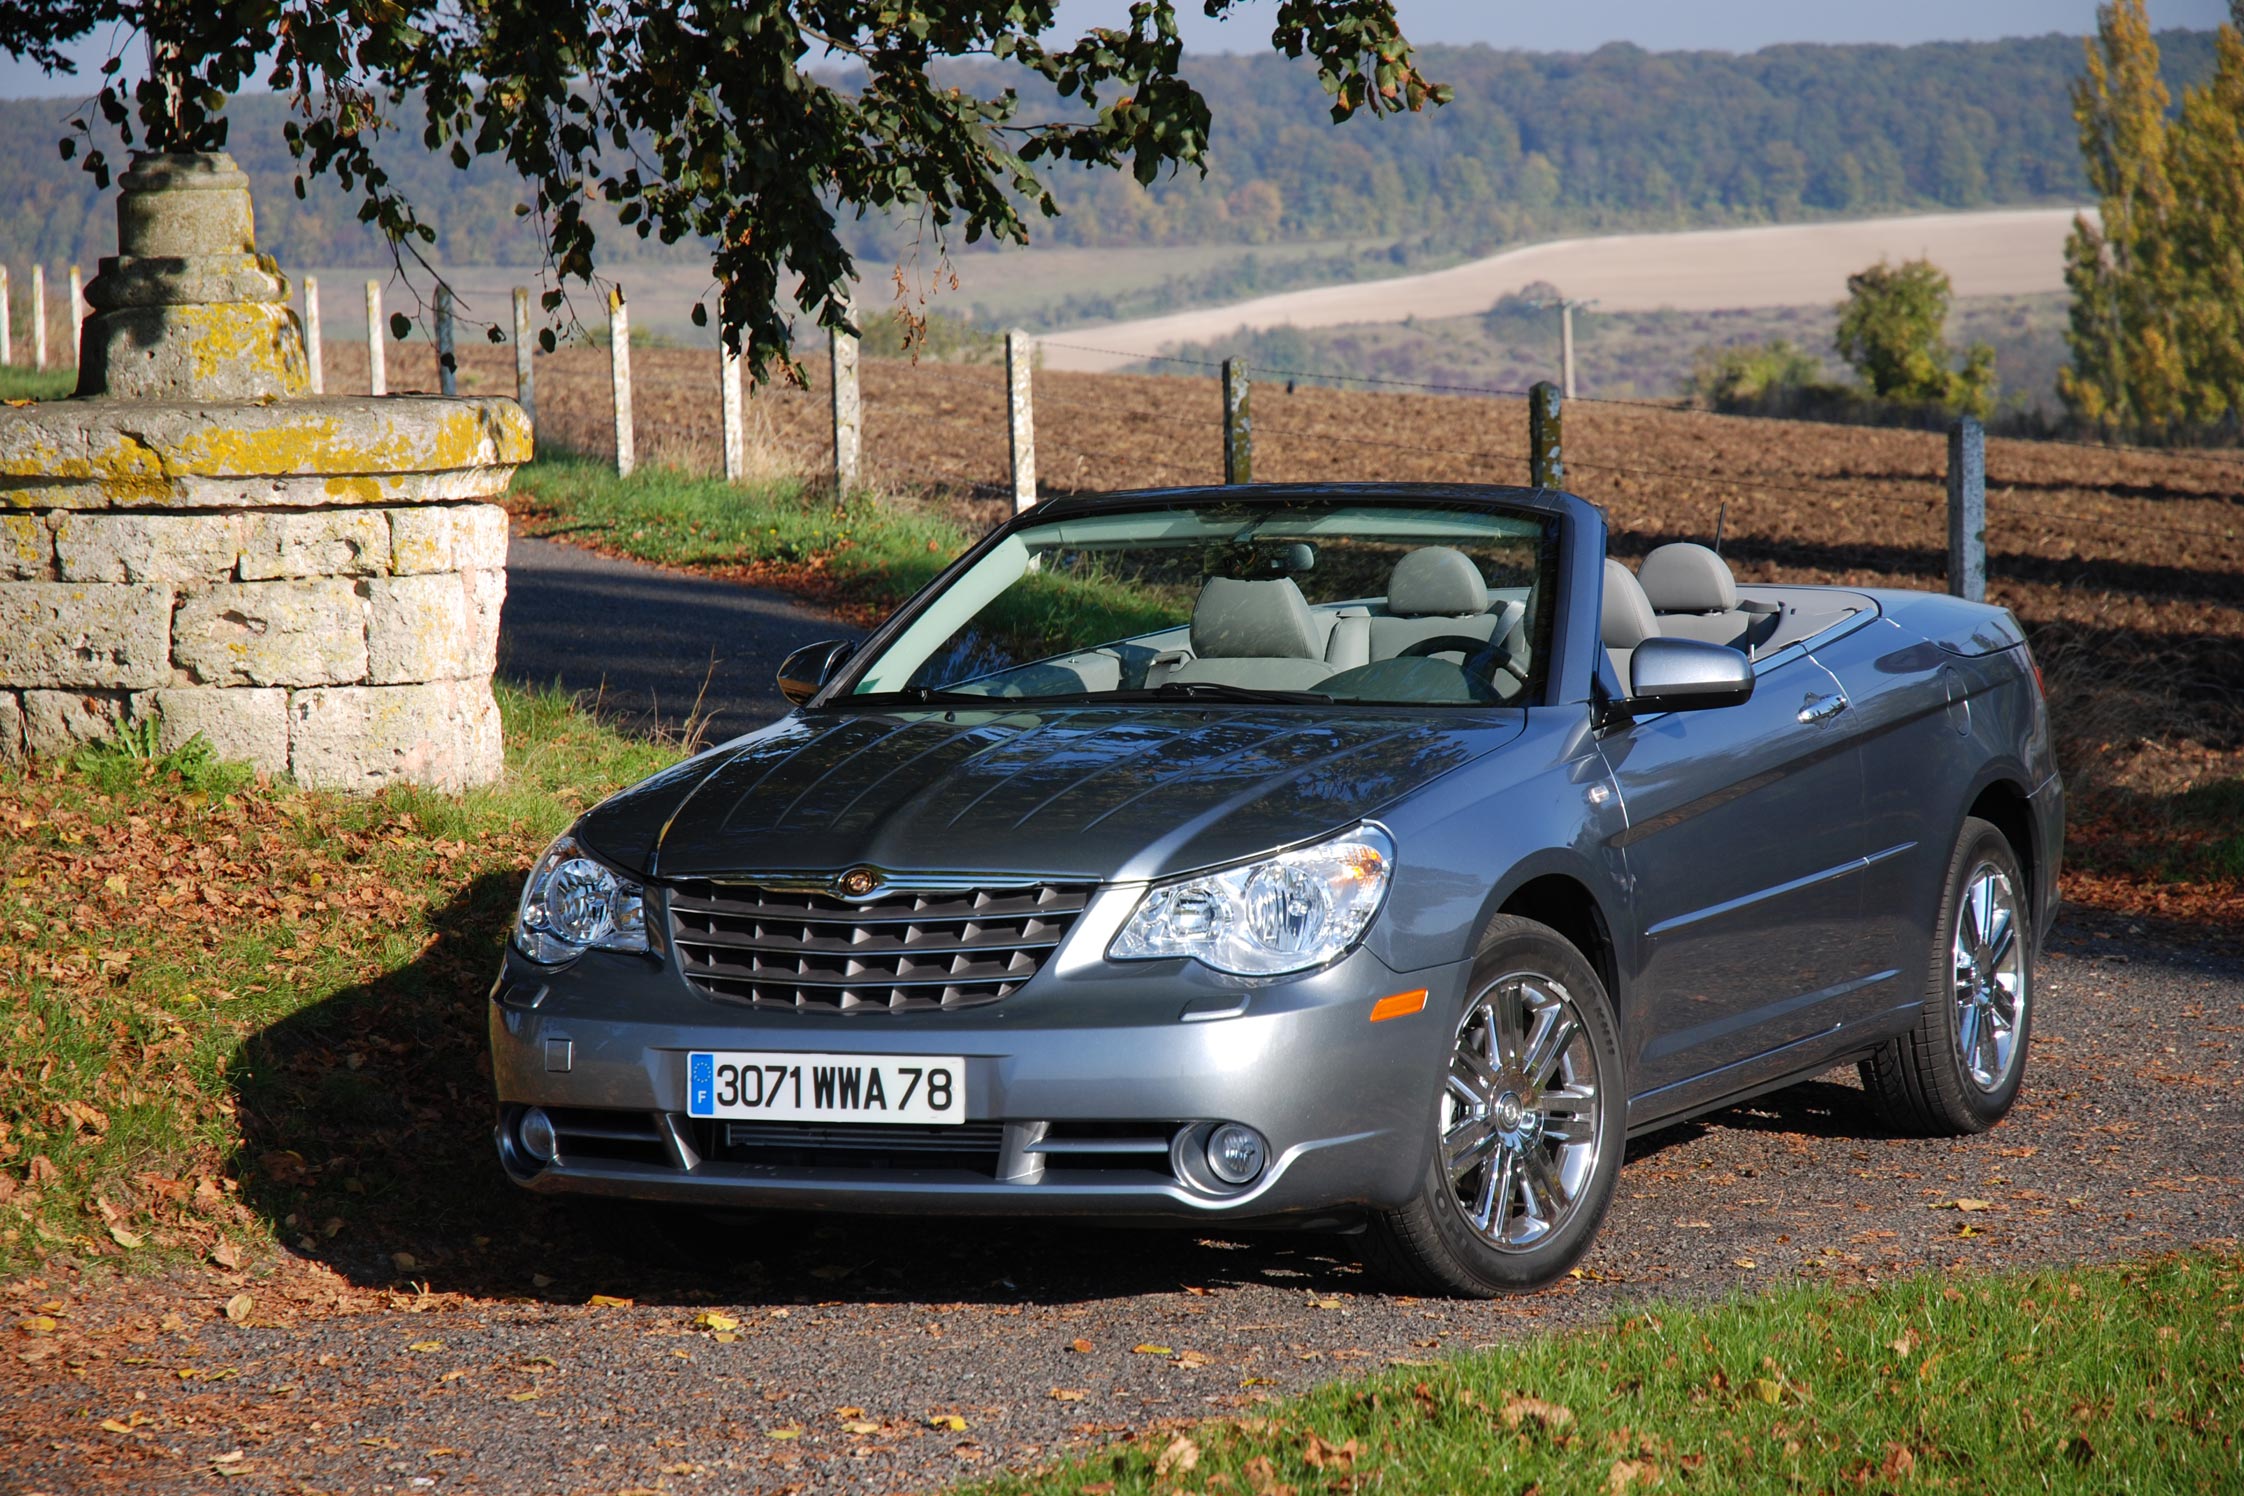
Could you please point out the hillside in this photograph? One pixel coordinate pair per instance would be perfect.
(1536, 144)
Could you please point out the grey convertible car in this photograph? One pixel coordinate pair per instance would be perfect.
(1369, 858)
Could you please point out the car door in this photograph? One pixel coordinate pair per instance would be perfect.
(1743, 852)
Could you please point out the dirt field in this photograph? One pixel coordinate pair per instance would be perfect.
(2010, 253)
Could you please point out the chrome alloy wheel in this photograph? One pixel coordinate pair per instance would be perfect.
(1990, 976)
(1520, 1130)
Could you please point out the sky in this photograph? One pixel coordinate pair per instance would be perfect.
(1575, 26)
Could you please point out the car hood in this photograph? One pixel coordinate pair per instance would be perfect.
(1086, 792)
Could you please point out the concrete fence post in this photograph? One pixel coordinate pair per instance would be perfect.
(1546, 465)
(1967, 510)
(619, 367)
(447, 359)
(313, 355)
(848, 413)
(377, 369)
(7, 316)
(1238, 424)
(525, 378)
(77, 315)
(38, 316)
(736, 417)
(1020, 414)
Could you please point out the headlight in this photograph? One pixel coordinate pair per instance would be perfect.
(573, 904)
(1285, 913)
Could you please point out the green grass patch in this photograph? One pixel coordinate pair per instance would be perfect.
(869, 553)
(2088, 1380)
(19, 383)
(231, 1011)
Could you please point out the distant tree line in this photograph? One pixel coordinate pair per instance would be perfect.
(1534, 144)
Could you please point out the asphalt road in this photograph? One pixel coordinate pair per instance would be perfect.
(650, 647)
(853, 1336)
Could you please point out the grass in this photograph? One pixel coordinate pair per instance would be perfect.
(2090, 1380)
(866, 556)
(19, 383)
(219, 995)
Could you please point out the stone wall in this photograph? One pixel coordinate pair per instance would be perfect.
(348, 647)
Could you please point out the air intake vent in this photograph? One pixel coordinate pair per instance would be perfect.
(904, 951)
(972, 1146)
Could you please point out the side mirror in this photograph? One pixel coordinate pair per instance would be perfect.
(1683, 675)
(804, 673)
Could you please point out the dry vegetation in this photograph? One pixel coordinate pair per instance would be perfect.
(2127, 567)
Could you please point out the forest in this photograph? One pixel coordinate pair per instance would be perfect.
(1535, 145)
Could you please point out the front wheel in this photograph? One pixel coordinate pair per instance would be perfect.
(1528, 1119)
(1959, 1069)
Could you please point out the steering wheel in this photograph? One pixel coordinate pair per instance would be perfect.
(1472, 647)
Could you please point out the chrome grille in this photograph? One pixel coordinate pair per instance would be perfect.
(973, 1146)
(902, 951)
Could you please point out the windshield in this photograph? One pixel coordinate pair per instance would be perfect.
(1211, 599)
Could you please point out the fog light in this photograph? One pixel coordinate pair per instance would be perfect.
(1235, 1153)
(536, 1132)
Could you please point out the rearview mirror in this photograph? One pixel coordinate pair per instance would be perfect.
(1682, 675)
(804, 673)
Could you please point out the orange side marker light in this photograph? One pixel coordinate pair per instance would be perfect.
(1401, 1005)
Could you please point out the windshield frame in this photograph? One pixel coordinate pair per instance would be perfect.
(1562, 512)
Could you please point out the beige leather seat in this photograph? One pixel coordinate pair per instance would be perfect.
(1695, 597)
(1436, 592)
(1627, 620)
(1259, 634)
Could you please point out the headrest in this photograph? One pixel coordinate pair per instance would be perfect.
(1436, 582)
(1628, 619)
(1687, 578)
(1254, 620)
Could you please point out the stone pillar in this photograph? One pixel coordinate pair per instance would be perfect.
(312, 584)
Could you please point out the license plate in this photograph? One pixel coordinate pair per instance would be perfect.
(825, 1087)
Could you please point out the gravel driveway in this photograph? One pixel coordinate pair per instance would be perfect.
(859, 1355)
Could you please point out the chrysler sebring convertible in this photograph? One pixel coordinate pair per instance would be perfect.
(1375, 859)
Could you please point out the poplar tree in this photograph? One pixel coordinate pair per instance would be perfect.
(2208, 176)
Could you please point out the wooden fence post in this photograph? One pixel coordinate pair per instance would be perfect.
(619, 366)
(447, 361)
(1238, 424)
(848, 413)
(313, 355)
(1967, 510)
(1020, 414)
(736, 418)
(377, 355)
(7, 332)
(77, 315)
(38, 316)
(525, 379)
(1546, 465)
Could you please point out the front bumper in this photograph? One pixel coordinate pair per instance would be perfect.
(1104, 1050)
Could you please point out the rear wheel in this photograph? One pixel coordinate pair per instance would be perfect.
(1959, 1069)
(1528, 1120)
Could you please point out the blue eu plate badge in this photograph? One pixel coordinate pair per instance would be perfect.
(701, 1084)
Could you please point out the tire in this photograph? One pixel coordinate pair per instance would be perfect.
(1979, 992)
(1539, 1134)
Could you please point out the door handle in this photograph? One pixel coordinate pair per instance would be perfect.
(1821, 708)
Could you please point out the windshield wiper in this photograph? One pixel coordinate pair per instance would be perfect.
(1208, 690)
(918, 696)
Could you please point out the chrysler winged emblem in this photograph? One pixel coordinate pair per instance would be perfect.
(857, 882)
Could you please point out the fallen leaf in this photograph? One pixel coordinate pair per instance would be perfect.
(1518, 1409)
(522, 1396)
(227, 1255)
(38, 1324)
(1744, 1262)
(1181, 1455)
(1317, 1303)
(715, 1321)
(1899, 1461)
(608, 1301)
(1768, 1391)
(129, 1240)
(1966, 1205)
(791, 1431)
(683, 1467)
(1081, 1347)
(1319, 1455)
(1192, 1358)
(238, 1307)
(1150, 1349)
(951, 1421)
(860, 1426)
(1070, 1394)
(116, 1425)
(426, 1345)
(1626, 1473)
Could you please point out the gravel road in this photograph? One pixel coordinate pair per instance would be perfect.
(857, 1340)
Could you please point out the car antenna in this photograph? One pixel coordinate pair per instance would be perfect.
(1720, 515)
